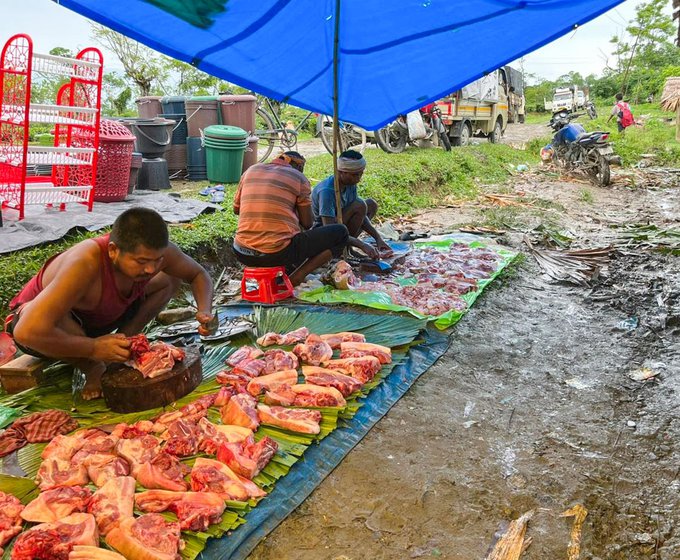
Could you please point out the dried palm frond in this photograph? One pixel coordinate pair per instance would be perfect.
(508, 200)
(512, 543)
(579, 513)
(576, 267)
(670, 97)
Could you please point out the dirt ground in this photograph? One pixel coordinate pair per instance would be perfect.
(531, 408)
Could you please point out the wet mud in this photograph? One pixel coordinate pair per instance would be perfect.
(535, 406)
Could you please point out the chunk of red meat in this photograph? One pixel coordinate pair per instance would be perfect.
(10, 517)
(241, 411)
(243, 353)
(314, 351)
(248, 458)
(279, 360)
(150, 533)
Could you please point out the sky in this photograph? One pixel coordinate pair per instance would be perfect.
(585, 51)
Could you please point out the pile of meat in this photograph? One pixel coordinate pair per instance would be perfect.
(153, 359)
(442, 276)
(259, 387)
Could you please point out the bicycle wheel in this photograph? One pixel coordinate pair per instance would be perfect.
(267, 133)
(350, 136)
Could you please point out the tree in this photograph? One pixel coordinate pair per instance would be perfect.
(649, 47)
(141, 64)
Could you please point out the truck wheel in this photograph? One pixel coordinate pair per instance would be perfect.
(465, 135)
(495, 136)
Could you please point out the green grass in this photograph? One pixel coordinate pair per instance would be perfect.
(400, 183)
(585, 195)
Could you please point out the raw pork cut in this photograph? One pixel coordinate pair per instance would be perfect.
(213, 476)
(82, 552)
(191, 412)
(363, 369)
(54, 541)
(306, 394)
(334, 340)
(359, 349)
(154, 359)
(164, 471)
(132, 431)
(233, 380)
(149, 537)
(55, 504)
(137, 451)
(314, 351)
(248, 458)
(208, 475)
(62, 447)
(182, 438)
(102, 467)
(295, 420)
(259, 385)
(241, 411)
(195, 511)
(330, 378)
(279, 360)
(244, 353)
(59, 472)
(112, 503)
(288, 339)
(214, 435)
(10, 518)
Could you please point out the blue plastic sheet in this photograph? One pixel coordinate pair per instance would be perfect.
(320, 460)
(393, 56)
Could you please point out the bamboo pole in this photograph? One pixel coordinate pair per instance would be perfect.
(336, 127)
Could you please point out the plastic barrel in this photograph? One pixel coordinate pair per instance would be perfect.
(196, 167)
(239, 111)
(202, 112)
(250, 155)
(224, 150)
(173, 104)
(149, 107)
(179, 133)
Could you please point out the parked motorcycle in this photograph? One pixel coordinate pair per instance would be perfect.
(578, 150)
(394, 137)
(591, 110)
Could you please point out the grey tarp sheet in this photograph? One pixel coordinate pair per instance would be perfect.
(320, 460)
(43, 224)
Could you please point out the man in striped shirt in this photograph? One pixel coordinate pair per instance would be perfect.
(274, 206)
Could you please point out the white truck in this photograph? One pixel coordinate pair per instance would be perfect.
(566, 99)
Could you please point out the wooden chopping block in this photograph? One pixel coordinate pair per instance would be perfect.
(126, 390)
(22, 373)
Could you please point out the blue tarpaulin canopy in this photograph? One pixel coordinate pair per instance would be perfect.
(394, 55)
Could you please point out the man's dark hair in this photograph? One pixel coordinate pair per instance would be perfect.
(351, 154)
(619, 97)
(139, 226)
(296, 155)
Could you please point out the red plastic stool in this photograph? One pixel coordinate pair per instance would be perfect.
(268, 289)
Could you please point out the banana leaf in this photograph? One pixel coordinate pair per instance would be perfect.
(396, 331)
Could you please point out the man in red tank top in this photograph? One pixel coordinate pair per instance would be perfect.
(117, 282)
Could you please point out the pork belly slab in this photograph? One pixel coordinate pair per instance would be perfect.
(54, 541)
(296, 420)
(57, 503)
(149, 537)
(259, 385)
(305, 395)
(363, 368)
(358, 349)
(334, 340)
(195, 511)
(331, 378)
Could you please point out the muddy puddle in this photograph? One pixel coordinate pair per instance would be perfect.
(537, 405)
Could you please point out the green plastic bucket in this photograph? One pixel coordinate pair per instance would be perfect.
(225, 132)
(224, 159)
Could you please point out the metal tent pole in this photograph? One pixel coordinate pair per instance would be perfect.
(336, 127)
